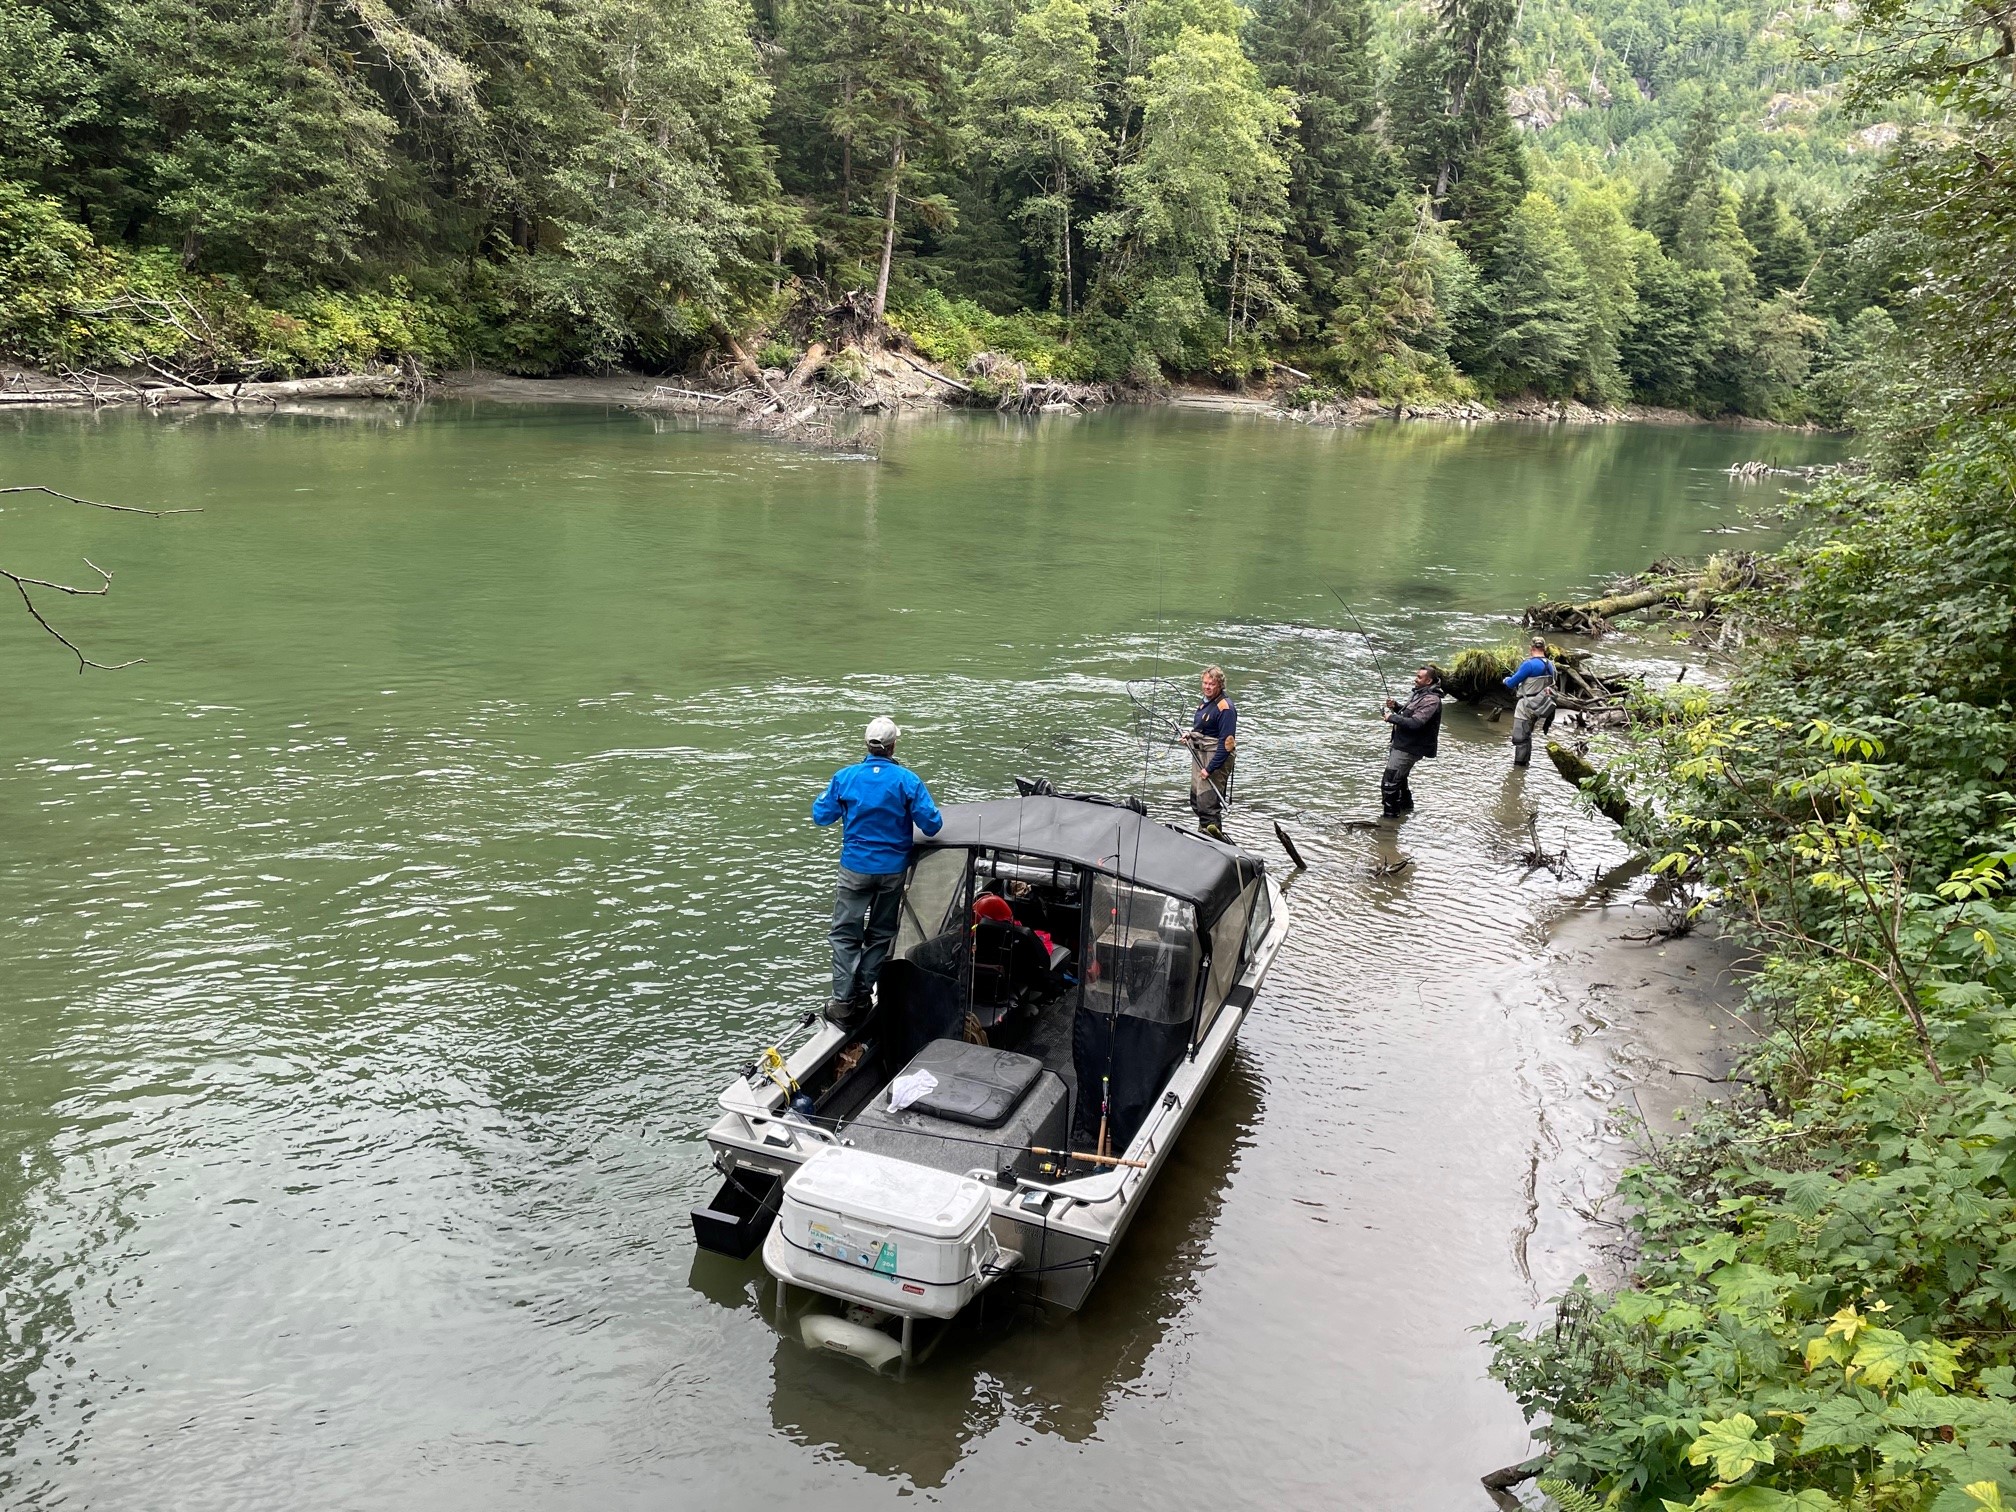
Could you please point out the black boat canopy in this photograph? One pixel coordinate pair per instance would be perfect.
(1107, 838)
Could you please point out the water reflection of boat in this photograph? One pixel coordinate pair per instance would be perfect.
(1056, 1373)
(1067, 977)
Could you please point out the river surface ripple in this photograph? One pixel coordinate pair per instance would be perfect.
(374, 954)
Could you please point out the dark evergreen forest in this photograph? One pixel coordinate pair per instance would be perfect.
(1124, 190)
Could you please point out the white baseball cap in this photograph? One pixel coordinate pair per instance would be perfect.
(882, 733)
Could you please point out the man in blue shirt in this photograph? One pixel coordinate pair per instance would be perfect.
(877, 800)
(1532, 687)
(1213, 742)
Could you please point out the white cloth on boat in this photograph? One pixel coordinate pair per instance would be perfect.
(910, 1086)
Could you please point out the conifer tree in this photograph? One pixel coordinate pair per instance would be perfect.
(1544, 305)
(1694, 169)
(1609, 247)
(1449, 118)
(1340, 173)
(1401, 305)
(883, 78)
(1784, 246)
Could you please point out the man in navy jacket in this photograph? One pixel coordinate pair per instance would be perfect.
(877, 801)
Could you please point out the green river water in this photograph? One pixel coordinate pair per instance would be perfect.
(374, 952)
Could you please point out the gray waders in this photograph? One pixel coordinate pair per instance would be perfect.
(1208, 792)
(1534, 707)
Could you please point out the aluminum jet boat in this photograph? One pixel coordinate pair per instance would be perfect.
(1067, 977)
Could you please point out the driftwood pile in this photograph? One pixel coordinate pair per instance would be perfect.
(868, 377)
(766, 399)
(1757, 472)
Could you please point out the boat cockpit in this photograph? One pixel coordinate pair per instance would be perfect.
(1055, 960)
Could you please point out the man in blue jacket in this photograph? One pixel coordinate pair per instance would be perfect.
(1532, 688)
(877, 800)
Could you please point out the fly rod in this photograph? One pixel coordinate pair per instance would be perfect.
(1086, 1155)
(1385, 682)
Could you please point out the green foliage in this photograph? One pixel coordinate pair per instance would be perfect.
(1341, 171)
(1822, 1313)
(954, 331)
(1543, 306)
(1035, 102)
(1450, 121)
(1192, 186)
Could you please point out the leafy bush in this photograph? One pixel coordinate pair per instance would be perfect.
(50, 269)
(1823, 1312)
(956, 330)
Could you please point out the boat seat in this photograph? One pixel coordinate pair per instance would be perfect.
(1009, 966)
(977, 1084)
(942, 1130)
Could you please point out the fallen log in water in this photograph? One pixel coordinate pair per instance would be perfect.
(1594, 616)
(338, 386)
(175, 389)
(1588, 778)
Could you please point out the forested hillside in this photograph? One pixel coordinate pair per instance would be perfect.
(1634, 199)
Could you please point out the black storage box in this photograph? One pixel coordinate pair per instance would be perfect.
(738, 1216)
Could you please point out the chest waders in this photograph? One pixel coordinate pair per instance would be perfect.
(1534, 706)
(1209, 791)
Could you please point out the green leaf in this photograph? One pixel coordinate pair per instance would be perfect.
(1633, 1308)
(1768, 1499)
(1733, 1445)
(1717, 1249)
(1840, 1423)
(1808, 1192)
(1882, 1355)
(1749, 1286)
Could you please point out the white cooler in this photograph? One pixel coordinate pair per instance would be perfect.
(868, 1228)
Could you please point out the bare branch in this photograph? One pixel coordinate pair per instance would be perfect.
(21, 586)
(92, 503)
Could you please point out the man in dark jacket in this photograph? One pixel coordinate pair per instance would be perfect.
(877, 801)
(1416, 726)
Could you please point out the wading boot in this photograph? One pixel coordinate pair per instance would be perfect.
(845, 1012)
(1389, 798)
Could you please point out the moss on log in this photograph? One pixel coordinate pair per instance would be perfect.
(1589, 778)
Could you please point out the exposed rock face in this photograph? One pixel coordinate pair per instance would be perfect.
(1875, 138)
(1784, 109)
(1535, 107)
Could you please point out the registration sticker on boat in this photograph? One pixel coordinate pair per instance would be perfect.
(885, 1259)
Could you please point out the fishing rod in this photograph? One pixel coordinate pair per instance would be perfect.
(1174, 738)
(1371, 650)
